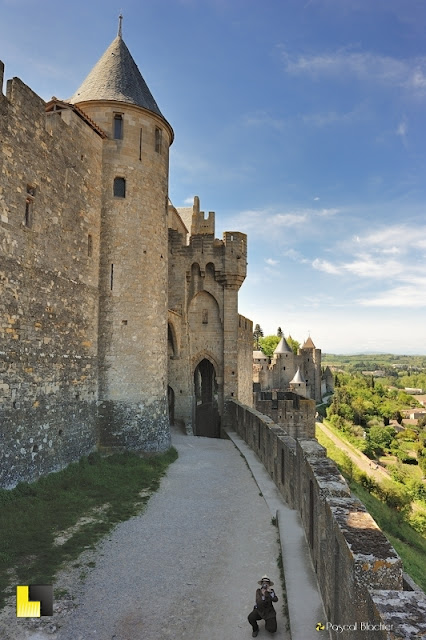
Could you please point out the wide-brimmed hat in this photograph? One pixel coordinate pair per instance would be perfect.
(266, 579)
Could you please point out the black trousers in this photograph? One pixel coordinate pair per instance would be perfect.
(270, 624)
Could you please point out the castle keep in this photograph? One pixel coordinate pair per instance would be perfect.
(117, 310)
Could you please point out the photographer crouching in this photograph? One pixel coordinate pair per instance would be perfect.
(264, 609)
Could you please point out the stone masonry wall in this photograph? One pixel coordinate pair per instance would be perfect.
(287, 409)
(49, 262)
(133, 363)
(358, 570)
(245, 358)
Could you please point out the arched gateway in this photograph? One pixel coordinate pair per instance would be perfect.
(207, 418)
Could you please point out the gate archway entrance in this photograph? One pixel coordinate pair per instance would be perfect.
(207, 418)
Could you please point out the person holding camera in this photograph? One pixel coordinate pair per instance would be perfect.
(264, 609)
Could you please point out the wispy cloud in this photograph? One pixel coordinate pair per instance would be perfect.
(391, 259)
(401, 296)
(265, 219)
(263, 119)
(271, 261)
(324, 265)
(384, 70)
(333, 117)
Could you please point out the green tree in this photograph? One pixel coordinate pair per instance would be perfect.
(268, 344)
(380, 438)
(257, 334)
(293, 344)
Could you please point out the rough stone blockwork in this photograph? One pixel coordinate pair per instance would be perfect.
(359, 573)
(48, 287)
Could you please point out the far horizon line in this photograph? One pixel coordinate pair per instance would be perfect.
(376, 353)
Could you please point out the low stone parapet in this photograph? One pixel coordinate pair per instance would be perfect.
(355, 564)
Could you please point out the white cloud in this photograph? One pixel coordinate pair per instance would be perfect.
(324, 265)
(289, 219)
(189, 200)
(327, 213)
(403, 296)
(271, 261)
(316, 198)
(296, 256)
(384, 70)
(402, 129)
(368, 267)
(402, 237)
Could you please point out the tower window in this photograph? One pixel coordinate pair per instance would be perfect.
(119, 187)
(140, 145)
(205, 316)
(118, 126)
(29, 204)
(89, 245)
(158, 140)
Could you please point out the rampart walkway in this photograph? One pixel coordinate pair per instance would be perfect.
(188, 566)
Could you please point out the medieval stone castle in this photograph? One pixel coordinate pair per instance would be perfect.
(119, 315)
(117, 309)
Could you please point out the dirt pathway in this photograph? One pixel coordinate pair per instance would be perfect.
(362, 461)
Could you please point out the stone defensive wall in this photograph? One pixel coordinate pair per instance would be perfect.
(49, 265)
(360, 576)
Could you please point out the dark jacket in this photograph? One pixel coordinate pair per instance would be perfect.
(264, 604)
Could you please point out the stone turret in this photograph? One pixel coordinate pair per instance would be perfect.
(133, 262)
(298, 384)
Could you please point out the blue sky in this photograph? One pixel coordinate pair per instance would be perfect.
(300, 122)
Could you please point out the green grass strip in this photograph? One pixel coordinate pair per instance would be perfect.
(33, 514)
(409, 544)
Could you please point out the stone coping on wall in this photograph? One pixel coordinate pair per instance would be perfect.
(368, 561)
(403, 613)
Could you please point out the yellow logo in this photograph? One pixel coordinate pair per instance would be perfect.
(34, 601)
(320, 626)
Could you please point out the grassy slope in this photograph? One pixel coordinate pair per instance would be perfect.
(33, 514)
(410, 545)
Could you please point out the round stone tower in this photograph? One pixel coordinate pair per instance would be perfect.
(132, 348)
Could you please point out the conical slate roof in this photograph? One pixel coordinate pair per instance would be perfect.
(116, 77)
(282, 347)
(298, 378)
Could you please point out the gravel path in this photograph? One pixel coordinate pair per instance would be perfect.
(188, 566)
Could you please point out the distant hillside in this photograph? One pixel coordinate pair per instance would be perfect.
(373, 361)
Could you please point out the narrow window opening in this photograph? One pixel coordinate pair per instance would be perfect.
(118, 126)
(119, 187)
(112, 276)
(140, 145)
(89, 245)
(29, 204)
(282, 465)
(124, 323)
(205, 316)
(158, 140)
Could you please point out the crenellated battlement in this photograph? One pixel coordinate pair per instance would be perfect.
(201, 225)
